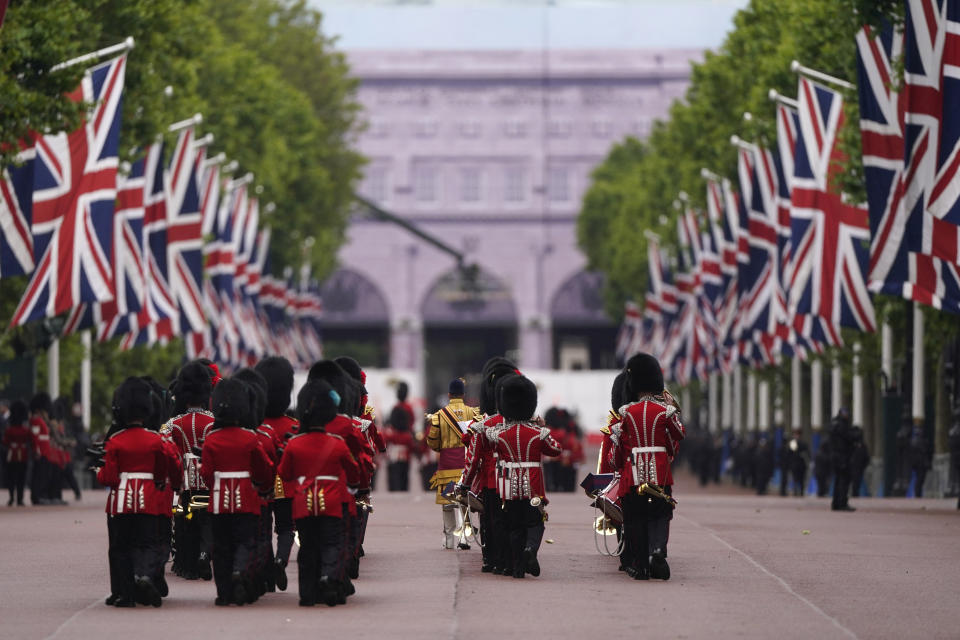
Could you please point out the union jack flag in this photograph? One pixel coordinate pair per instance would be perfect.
(631, 330)
(724, 229)
(75, 186)
(828, 237)
(16, 205)
(931, 104)
(184, 234)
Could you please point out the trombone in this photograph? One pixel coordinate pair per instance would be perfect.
(198, 502)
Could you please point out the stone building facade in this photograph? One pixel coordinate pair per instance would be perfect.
(491, 151)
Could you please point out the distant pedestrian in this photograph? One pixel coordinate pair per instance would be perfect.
(17, 447)
(919, 458)
(841, 451)
(794, 460)
(859, 461)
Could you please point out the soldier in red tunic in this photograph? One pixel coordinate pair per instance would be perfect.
(43, 463)
(644, 444)
(17, 442)
(480, 469)
(520, 444)
(231, 462)
(263, 564)
(136, 468)
(321, 468)
(191, 391)
(278, 373)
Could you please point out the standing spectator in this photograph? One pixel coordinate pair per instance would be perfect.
(400, 443)
(763, 462)
(919, 457)
(841, 450)
(954, 439)
(859, 461)
(794, 459)
(17, 448)
(822, 467)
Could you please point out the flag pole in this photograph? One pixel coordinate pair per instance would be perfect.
(205, 141)
(192, 121)
(816, 395)
(836, 389)
(87, 342)
(737, 141)
(857, 410)
(712, 396)
(706, 174)
(53, 369)
(796, 382)
(917, 403)
(126, 45)
(220, 158)
(886, 354)
(796, 67)
(751, 401)
(776, 96)
(763, 405)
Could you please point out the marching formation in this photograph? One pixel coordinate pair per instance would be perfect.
(243, 469)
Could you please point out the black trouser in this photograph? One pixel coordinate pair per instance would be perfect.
(321, 538)
(265, 547)
(16, 478)
(135, 541)
(524, 524)
(283, 525)
(398, 476)
(799, 481)
(234, 546)
(164, 537)
(841, 488)
(40, 480)
(921, 473)
(490, 522)
(70, 477)
(115, 563)
(190, 535)
(646, 525)
(823, 482)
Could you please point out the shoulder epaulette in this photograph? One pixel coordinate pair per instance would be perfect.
(369, 411)
(605, 431)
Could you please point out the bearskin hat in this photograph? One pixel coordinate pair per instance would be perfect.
(41, 402)
(192, 386)
(317, 405)
(403, 391)
(19, 414)
(231, 403)
(618, 395)
(134, 401)
(494, 369)
(518, 398)
(159, 404)
(337, 378)
(279, 375)
(258, 384)
(643, 375)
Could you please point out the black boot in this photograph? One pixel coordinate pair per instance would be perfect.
(659, 569)
(280, 574)
(203, 566)
(239, 592)
(530, 562)
(146, 591)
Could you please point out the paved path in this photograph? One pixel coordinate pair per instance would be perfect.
(742, 568)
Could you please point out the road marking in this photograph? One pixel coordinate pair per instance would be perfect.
(74, 617)
(783, 583)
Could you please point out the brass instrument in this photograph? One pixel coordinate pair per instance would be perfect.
(669, 399)
(364, 505)
(654, 491)
(198, 502)
(604, 526)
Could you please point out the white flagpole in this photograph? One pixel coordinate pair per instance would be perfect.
(763, 406)
(738, 399)
(816, 395)
(751, 401)
(726, 395)
(857, 410)
(776, 96)
(886, 354)
(53, 369)
(87, 343)
(712, 397)
(836, 389)
(796, 384)
(192, 121)
(796, 67)
(126, 45)
(918, 370)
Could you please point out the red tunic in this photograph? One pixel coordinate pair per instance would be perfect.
(320, 467)
(136, 463)
(645, 442)
(399, 445)
(232, 462)
(17, 440)
(520, 447)
(175, 476)
(41, 437)
(480, 459)
(284, 427)
(344, 428)
(370, 430)
(187, 432)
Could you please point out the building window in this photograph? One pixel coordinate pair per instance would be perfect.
(425, 129)
(425, 183)
(514, 185)
(470, 184)
(558, 184)
(515, 129)
(375, 184)
(601, 128)
(559, 129)
(470, 129)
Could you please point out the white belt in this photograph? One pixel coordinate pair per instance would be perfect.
(224, 475)
(303, 479)
(520, 465)
(43, 436)
(217, 475)
(125, 476)
(649, 450)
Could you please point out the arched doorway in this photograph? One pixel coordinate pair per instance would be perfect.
(468, 317)
(356, 321)
(583, 336)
